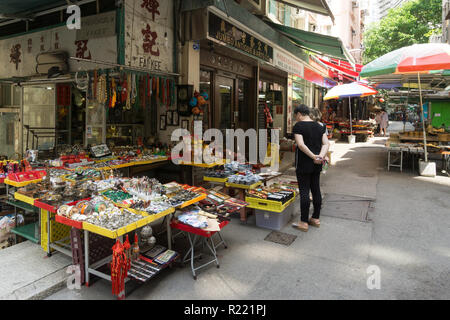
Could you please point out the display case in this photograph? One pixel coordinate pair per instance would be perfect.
(124, 134)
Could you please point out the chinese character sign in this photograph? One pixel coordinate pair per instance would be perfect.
(15, 55)
(81, 49)
(151, 6)
(149, 37)
(150, 41)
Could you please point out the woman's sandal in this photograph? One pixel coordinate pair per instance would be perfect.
(315, 223)
(299, 227)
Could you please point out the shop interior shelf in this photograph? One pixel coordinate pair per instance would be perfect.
(22, 205)
(27, 231)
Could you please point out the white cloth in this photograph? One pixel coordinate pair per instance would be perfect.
(384, 120)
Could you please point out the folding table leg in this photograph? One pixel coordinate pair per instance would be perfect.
(213, 251)
(389, 160)
(221, 241)
(401, 160)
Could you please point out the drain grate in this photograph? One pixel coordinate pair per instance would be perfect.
(352, 210)
(281, 238)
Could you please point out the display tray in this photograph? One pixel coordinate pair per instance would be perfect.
(104, 160)
(118, 204)
(268, 205)
(20, 184)
(243, 186)
(195, 200)
(146, 269)
(66, 178)
(213, 179)
(114, 234)
(24, 198)
(153, 217)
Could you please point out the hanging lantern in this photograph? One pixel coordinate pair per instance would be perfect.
(193, 102)
(205, 96)
(201, 100)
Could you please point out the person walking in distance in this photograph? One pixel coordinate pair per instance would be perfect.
(384, 123)
(312, 147)
(378, 121)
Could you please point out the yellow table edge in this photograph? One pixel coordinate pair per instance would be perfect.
(243, 186)
(20, 184)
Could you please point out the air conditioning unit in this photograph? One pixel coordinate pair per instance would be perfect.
(58, 60)
(257, 7)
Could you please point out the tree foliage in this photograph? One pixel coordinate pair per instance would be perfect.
(414, 22)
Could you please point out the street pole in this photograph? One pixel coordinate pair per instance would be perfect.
(423, 120)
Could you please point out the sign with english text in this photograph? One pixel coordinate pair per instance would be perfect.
(149, 34)
(225, 32)
(287, 63)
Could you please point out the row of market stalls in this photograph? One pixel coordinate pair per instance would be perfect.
(88, 115)
(417, 77)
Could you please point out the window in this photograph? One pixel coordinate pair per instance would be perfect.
(280, 12)
(9, 95)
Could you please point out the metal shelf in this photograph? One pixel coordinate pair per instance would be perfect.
(27, 232)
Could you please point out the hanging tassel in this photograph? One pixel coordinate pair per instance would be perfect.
(95, 84)
(149, 79)
(157, 88)
(113, 91)
(168, 94)
(128, 103)
(142, 89)
(163, 91)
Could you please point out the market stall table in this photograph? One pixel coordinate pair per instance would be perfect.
(198, 236)
(240, 189)
(93, 268)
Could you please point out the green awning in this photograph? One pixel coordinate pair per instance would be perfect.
(322, 44)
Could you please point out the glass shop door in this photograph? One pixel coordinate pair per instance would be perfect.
(224, 103)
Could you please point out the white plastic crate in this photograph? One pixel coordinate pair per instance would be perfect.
(274, 220)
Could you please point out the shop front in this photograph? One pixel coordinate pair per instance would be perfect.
(229, 79)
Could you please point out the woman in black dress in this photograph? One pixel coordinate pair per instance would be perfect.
(312, 147)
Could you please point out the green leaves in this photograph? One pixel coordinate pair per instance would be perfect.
(414, 22)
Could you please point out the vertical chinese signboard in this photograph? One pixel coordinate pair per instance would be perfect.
(149, 34)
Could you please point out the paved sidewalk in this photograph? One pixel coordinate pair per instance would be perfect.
(27, 273)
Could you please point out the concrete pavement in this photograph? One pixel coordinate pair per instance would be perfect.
(406, 236)
(27, 273)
